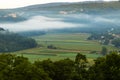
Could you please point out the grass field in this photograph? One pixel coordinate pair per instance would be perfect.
(76, 41)
(68, 45)
(42, 54)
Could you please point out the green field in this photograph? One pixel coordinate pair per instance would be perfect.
(42, 54)
(76, 41)
(68, 45)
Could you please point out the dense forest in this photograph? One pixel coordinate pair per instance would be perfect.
(14, 67)
(13, 42)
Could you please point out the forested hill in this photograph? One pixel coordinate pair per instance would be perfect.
(25, 13)
(13, 42)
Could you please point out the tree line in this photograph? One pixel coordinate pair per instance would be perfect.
(14, 67)
(13, 42)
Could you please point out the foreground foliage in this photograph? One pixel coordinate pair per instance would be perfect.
(106, 68)
(19, 68)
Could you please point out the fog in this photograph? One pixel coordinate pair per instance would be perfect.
(39, 23)
(64, 21)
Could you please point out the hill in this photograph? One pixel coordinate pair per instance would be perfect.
(86, 17)
(25, 13)
(10, 42)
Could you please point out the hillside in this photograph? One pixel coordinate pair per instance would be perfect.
(10, 42)
(21, 14)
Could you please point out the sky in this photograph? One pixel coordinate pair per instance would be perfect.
(5, 4)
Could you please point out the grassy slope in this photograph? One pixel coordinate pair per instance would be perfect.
(68, 46)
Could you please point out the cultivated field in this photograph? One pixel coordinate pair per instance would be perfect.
(75, 41)
(68, 45)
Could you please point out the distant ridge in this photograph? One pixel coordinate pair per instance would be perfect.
(24, 13)
(68, 3)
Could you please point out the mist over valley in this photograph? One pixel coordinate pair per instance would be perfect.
(52, 16)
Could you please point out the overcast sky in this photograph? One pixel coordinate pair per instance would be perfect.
(21, 3)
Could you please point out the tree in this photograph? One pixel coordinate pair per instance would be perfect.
(64, 69)
(48, 66)
(104, 51)
(51, 47)
(80, 63)
(106, 68)
(6, 66)
(19, 68)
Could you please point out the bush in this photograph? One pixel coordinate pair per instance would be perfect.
(93, 52)
(51, 47)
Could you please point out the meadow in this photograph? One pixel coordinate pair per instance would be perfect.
(67, 46)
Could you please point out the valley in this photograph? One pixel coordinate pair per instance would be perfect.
(67, 45)
(61, 30)
(61, 41)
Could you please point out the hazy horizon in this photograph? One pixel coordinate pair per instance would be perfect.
(43, 23)
(59, 17)
(5, 4)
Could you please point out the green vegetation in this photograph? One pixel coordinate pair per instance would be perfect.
(54, 56)
(63, 56)
(61, 46)
(19, 68)
(106, 68)
(10, 42)
(104, 51)
(14, 67)
(70, 41)
(65, 46)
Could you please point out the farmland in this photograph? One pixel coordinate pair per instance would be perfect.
(67, 46)
(75, 41)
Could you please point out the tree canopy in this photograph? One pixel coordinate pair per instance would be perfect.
(13, 42)
(14, 67)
